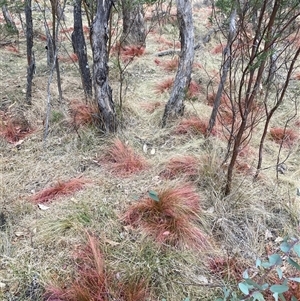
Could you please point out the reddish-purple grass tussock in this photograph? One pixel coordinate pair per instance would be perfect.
(283, 135)
(171, 220)
(193, 125)
(93, 282)
(59, 189)
(83, 113)
(121, 159)
(181, 166)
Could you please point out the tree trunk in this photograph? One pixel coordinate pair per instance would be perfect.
(225, 69)
(175, 105)
(134, 32)
(9, 20)
(30, 53)
(79, 47)
(103, 92)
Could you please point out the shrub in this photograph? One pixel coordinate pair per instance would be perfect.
(121, 160)
(58, 189)
(169, 216)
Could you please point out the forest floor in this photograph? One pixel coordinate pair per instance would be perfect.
(41, 235)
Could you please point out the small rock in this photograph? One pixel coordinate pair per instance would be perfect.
(2, 286)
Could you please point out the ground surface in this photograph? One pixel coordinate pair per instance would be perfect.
(37, 244)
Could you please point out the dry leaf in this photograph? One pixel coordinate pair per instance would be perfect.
(43, 207)
(19, 233)
(145, 148)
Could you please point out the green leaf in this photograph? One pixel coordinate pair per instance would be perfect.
(297, 249)
(294, 263)
(294, 298)
(297, 279)
(279, 272)
(275, 295)
(266, 264)
(186, 299)
(275, 259)
(258, 296)
(279, 288)
(153, 195)
(264, 286)
(245, 274)
(258, 263)
(285, 247)
(244, 288)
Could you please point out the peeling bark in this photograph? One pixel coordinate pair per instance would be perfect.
(175, 105)
(103, 91)
(134, 32)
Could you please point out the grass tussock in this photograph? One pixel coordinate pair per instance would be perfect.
(13, 129)
(164, 86)
(150, 107)
(83, 113)
(93, 281)
(172, 219)
(181, 166)
(128, 53)
(59, 189)
(283, 135)
(121, 159)
(193, 126)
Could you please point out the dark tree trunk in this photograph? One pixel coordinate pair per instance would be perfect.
(79, 47)
(49, 47)
(103, 92)
(30, 53)
(134, 32)
(175, 105)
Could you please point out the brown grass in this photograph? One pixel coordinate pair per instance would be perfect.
(83, 113)
(72, 58)
(121, 159)
(218, 49)
(283, 135)
(164, 86)
(150, 107)
(94, 282)
(170, 220)
(181, 166)
(194, 89)
(13, 129)
(193, 125)
(127, 53)
(59, 189)
(227, 268)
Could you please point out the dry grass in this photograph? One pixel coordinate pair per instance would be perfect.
(187, 166)
(121, 160)
(283, 135)
(193, 126)
(128, 53)
(59, 189)
(94, 282)
(83, 113)
(153, 252)
(13, 129)
(171, 219)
